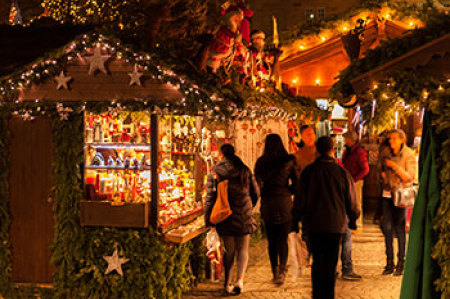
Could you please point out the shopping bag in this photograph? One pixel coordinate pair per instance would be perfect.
(293, 258)
(214, 253)
(221, 209)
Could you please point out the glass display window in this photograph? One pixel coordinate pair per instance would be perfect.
(117, 151)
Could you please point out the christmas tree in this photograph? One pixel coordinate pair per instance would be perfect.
(185, 19)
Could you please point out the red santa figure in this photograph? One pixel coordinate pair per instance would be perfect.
(244, 28)
(222, 49)
(260, 62)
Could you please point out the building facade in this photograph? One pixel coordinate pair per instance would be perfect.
(292, 12)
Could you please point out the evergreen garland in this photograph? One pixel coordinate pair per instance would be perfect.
(441, 121)
(438, 24)
(400, 10)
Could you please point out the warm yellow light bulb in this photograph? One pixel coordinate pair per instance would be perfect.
(411, 24)
(323, 38)
(302, 47)
(295, 81)
(317, 81)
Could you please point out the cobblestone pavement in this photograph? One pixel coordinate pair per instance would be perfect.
(368, 260)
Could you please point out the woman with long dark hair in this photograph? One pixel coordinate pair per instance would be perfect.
(235, 231)
(276, 174)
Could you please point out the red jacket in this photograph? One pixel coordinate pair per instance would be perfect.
(355, 161)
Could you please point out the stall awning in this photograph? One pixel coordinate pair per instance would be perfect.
(434, 55)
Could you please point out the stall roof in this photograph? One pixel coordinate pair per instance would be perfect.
(38, 60)
(423, 47)
(324, 60)
(435, 55)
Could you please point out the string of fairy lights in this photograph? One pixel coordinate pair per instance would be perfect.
(339, 27)
(194, 100)
(386, 103)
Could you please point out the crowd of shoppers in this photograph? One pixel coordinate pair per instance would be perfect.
(310, 192)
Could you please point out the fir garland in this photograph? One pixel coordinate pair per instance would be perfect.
(203, 92)
(438, 24)
(441, 116)
(399, 10)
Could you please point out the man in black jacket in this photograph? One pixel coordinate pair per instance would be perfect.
(326, 204)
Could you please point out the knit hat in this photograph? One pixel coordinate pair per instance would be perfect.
(324, 145)
(351, 135)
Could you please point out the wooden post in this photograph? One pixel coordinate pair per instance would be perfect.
(154, 152)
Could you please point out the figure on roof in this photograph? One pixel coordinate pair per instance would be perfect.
(220, 51)
(244, 28)
(262, 64)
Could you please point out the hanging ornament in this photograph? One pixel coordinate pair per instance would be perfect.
(27, 116)
(396, 118)
(135, 76)
(374, 104)
(115, 263)
(63, 111)
(62, 80)
(97, 62)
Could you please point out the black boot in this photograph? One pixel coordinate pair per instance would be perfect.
(275, 272)
(399, 268)
(282, 275)
(389, 269)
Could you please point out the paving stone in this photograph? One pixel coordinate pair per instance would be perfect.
(368, 261)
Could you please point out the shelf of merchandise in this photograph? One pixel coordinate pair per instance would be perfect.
(165, 227)
(135, 146)
(95, 167)
(180, 239)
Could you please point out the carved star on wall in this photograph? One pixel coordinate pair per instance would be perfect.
(135, 77)
(97, 61)
(115, 263)
(62, 80)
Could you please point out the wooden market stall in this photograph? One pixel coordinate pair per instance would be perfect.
(103, 157)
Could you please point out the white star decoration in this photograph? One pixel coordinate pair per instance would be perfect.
(135, 76)
(97, 61)
(62, 80)
(115, 263)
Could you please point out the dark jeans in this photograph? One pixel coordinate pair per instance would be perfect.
(325, 253)
(277, 238)
(393, 222)
(346, 253)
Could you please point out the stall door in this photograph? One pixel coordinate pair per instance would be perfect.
(32, 228)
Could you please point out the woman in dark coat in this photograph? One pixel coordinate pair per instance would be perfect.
(243, 193)
(276, 174)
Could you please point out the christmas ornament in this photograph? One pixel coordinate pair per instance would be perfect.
(135, 77)
(63, 112)
(62, 80)
(115, 263)
(97, 62)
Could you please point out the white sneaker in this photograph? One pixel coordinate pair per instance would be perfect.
(229, 289)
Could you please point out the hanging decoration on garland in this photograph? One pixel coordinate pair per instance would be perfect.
(97, 62)
(62, 80)
(135, 76)
(63, 111)
(115, 263)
